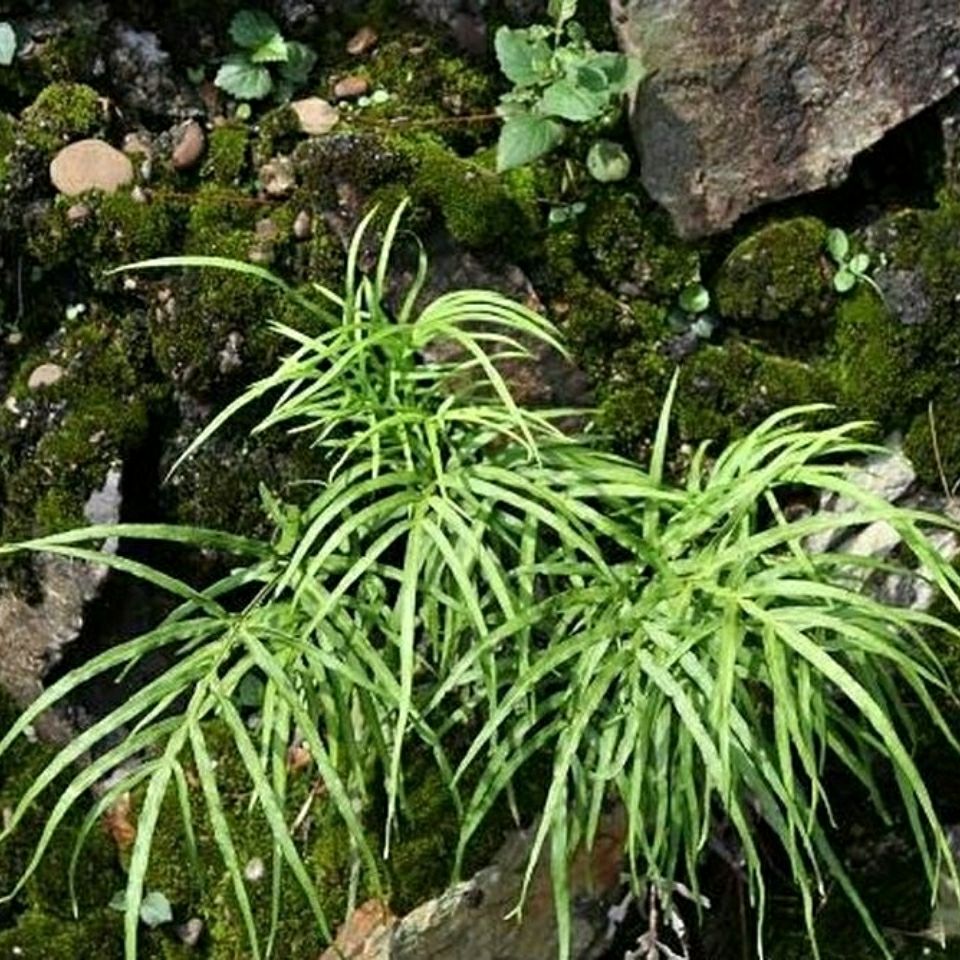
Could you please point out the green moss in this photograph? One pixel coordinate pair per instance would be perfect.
(38, 936)
(226, 158)
(724, 391)
(923, 442)
(872, 368)
(277, 132)
(8, 136)
(479, 208)
(632, 247)
(777, 275)
(62, 112)
(113, 229)
(60, 440)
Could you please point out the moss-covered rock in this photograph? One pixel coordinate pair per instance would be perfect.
(632, 247)
(59, 440)
(62, 112)
(777, 275)
(479, 208)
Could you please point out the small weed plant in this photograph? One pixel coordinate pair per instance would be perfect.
(851, 268)
(671, 645)
(560, 79)
(264, 63)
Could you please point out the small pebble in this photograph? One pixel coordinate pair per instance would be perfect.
(254, 871)
(351, 87)
(46, 375)
(190, 932)
(316, 115)
(303, 225)
(78, 213)
(189, 143)
(364, 40)
(90, 165)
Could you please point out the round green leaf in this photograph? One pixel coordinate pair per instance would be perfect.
(608, 161)
(838, 244)
(860, 263)
(844, 281)
(8, 44)
(694, 298)
(243, 79)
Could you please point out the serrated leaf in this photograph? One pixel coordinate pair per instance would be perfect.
(592, 78)
(253, 29)
(300, 61)
(860, 263)
(694, 298)
(525, 139)
(155, 910)
(275, 50)
(844, 281)
(8, 44)
(838, 244)
(243, 79)
(608, 162)
(519, 56)
(567, 100)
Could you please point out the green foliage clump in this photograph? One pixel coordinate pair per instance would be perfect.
(226, 159)
(462, 572)
(264, 62)
(61, 113)
(558, 79)
(777, 275)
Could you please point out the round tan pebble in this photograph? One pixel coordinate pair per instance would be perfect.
(90, 165)
(316, 115)
(46, 375)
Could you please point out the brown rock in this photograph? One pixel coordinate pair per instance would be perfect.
(90, 165)
(364, 935)
(754, 101)
(363, 41)
(46, 375)
(350, 87)
(316, 115)
(189, 142)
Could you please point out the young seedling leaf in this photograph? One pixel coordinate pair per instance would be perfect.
(694, 298)
(243, 79)
(844, 280)
(519, 57)
(253, 29)
(838, 243)
(525, 139)
(567, 100)
(155, 910)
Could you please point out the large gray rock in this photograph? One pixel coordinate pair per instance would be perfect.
(753, 101)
